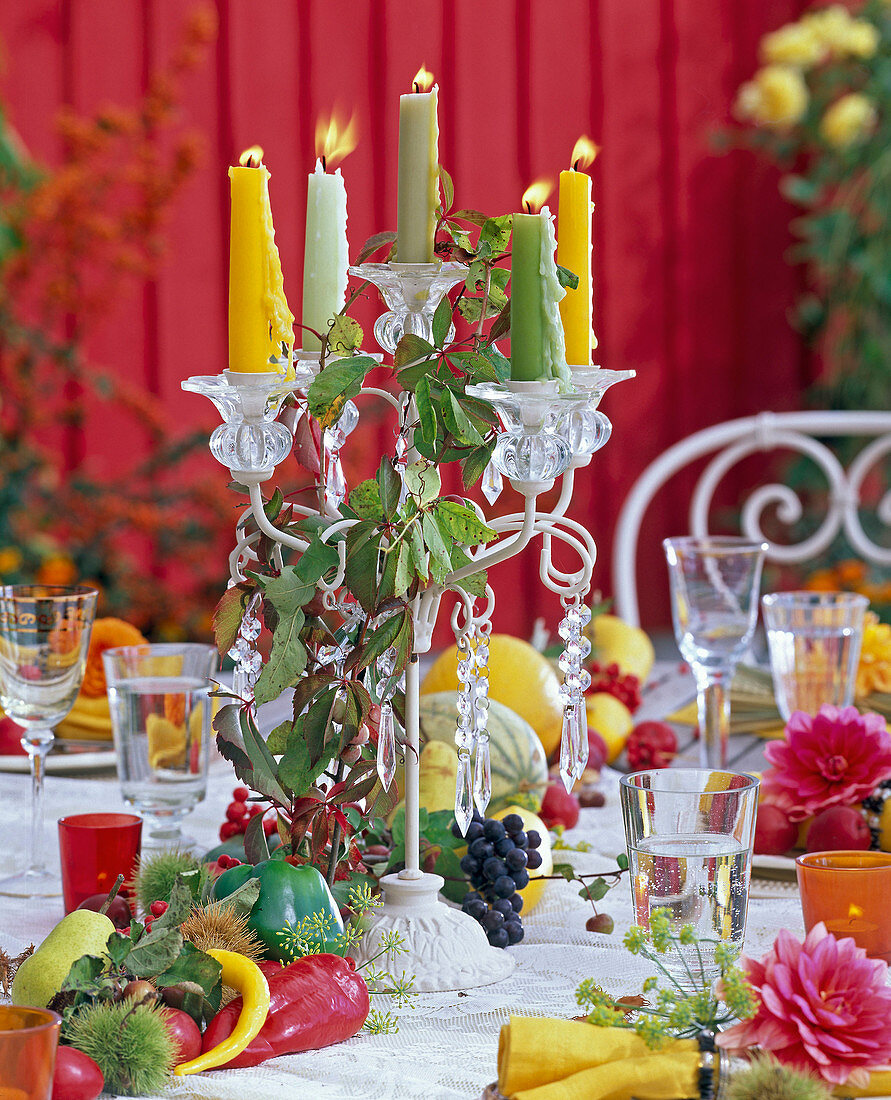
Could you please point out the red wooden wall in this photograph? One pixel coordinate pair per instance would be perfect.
(691, 286)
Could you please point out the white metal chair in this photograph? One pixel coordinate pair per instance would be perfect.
(734, 440)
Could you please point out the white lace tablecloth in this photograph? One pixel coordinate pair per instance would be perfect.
(446, 1045)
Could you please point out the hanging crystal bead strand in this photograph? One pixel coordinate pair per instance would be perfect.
(386, 733)
(482, 773)
(464, 735)
(248, 659)
(576, 680)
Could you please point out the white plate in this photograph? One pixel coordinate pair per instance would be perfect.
(774, 863)
(63, 763)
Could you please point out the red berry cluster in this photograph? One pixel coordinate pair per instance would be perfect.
(224, 862)
(239, 813)
(624, 686)
(157, 909)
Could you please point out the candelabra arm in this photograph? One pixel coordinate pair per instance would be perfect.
(567, 486)
(502, 551)
(412, 770)
(281, 537)
(373, 391)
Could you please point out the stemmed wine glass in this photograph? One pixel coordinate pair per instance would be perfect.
(44, 638)
(714, 603)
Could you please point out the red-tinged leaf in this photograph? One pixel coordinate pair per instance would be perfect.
(228, 614)
(307, 444)
(374, 244)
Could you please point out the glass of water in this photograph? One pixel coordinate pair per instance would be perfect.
(814, 641)
(714, 606)
(161, 720)
(689, 834)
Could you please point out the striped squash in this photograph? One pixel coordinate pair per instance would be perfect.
(519, 766)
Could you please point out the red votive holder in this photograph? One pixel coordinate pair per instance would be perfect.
(94, 850)
(28, 1041)
(849, 892)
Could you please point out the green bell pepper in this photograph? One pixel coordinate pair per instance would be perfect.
(288, 895)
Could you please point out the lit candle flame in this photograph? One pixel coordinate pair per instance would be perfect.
(854, 911)
(335, 139)
(583, 152)
(422, 80)
(251, 158)
(536, 194)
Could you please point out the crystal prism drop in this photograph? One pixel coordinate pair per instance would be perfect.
(335, 482)
(482, 775)
(581, 724)
(463, 793)
(492, 483)
(569, 743)
(386, 747)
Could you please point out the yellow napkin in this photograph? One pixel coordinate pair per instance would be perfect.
(548, 1059)
(88, 720)
(879, 1085)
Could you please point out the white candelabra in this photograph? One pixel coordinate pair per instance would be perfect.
(545, 434)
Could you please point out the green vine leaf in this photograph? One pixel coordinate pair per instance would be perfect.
(567, 278)
(390, 488)
(473, 465)
(365, 500)
(448, 190)
(287, 659)
(410, 349)
(458, 422)
(288, 591)
(442, 321)
(422, 482)
(345, 335)
(426, 413)
(374, 244)
(496, 233)
(462, 523)
(335, 385)
(228, 614)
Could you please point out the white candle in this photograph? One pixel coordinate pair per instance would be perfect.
(418, 194)
(326, 252)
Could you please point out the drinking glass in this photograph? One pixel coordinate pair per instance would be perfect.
(814, 641)
(28, 1041)
(44, 638)
(714, 604)
(160, 717)
(95, 849)
(689, 834)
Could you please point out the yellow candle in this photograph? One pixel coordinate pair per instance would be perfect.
(574, 253)
(259, 318)
(418, 193)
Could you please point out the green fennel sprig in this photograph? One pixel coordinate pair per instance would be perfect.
(675, 1012)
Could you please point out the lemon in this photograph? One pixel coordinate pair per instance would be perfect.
(532, 892)
(628, 646)
(519, 677)
(612, 720)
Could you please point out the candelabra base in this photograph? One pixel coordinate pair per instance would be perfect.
(446, 949)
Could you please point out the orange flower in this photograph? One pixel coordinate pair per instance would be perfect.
(874, 670)
(57, 569)
(107, 634)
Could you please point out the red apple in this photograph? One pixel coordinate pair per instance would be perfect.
(76, 1076)
(839, 828)
(185, 1034)
(774, 832)
(559, 807)
(597, 750)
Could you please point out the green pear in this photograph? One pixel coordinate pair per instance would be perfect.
(40, 976)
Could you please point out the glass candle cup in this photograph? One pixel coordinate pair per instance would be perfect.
(28, 1041)
(94, 850)
(689, 834)
(848, 892)
(814, 640)
(161, 719)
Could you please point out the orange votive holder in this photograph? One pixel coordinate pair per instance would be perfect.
(28, 1041)
(849, 892)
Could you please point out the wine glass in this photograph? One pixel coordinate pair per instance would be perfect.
(44, 638)
(714, 604)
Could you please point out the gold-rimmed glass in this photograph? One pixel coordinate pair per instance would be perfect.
(44, 639)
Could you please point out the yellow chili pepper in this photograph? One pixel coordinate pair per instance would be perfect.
(245, 976)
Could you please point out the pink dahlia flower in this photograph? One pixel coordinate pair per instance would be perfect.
(824, 1008)
(834, 758)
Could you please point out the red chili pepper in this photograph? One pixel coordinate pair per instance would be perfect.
(315, 1002)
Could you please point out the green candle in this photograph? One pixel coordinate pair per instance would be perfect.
(326, 253)
(526, 362)
(418, 193)
(537, 349)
